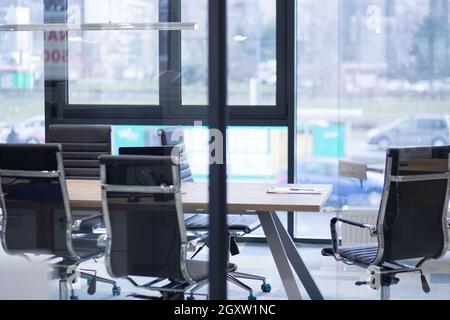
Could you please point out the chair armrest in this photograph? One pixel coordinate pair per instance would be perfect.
(200, 237)
(334, 236)
(78, 222)
(192, 243)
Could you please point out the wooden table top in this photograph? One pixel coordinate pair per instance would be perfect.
(241, 196)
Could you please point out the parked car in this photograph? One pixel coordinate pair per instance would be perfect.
(346, 191)
(427, 129)
(32, 130)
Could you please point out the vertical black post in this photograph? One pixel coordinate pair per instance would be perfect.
(55, 11)
(289, 9)
(169, 59)
(217, 115)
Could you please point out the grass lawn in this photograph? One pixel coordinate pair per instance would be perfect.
(19, 106)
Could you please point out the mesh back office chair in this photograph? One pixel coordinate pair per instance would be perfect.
(144, 220)
(238, 224)
(36, 215)
(82, 145)
(411, 221)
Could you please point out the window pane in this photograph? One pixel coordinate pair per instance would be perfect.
(255, 154)
(194, 53)
(374, 76)
(252, 52)
(114, 67)
(21, 75)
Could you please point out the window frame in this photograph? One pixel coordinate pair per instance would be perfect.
(171, 111)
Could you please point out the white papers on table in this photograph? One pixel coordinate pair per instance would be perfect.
(293, 190)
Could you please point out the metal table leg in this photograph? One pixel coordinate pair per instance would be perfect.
(296, 260)
(279, 255)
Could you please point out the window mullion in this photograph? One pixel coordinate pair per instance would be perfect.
(170, 60)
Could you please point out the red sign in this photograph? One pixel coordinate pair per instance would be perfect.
(55, 54)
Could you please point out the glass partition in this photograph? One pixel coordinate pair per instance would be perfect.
(370, 75)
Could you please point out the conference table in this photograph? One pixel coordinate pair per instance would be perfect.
(248, 198)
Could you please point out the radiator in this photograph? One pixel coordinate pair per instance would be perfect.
(355, 235)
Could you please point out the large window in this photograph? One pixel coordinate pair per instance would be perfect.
(21, 75)
(371, 75)
(143, 76)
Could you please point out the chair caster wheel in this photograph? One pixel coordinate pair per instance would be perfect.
(266, 287)
(190, 298)
(251, 297)
(74, 298)
(116, 291)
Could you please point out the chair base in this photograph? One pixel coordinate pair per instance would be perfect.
(385, 293)
(171, 291)
(248, 276)
(68, 274)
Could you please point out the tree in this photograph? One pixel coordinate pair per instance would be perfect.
(431, 44)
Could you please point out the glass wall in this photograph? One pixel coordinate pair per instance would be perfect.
(21, 75)
(370, 75)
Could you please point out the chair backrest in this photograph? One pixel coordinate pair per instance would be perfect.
(36, 213)
(171, 151)
(173, 136)
(143, 216)
(412, 218)
(81, 146)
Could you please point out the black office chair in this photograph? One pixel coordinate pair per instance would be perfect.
(412, 220)
(37, 218)
(81, 146)
(146, 234)
(239, 225)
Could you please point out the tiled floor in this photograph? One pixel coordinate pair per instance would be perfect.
(335, 280)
